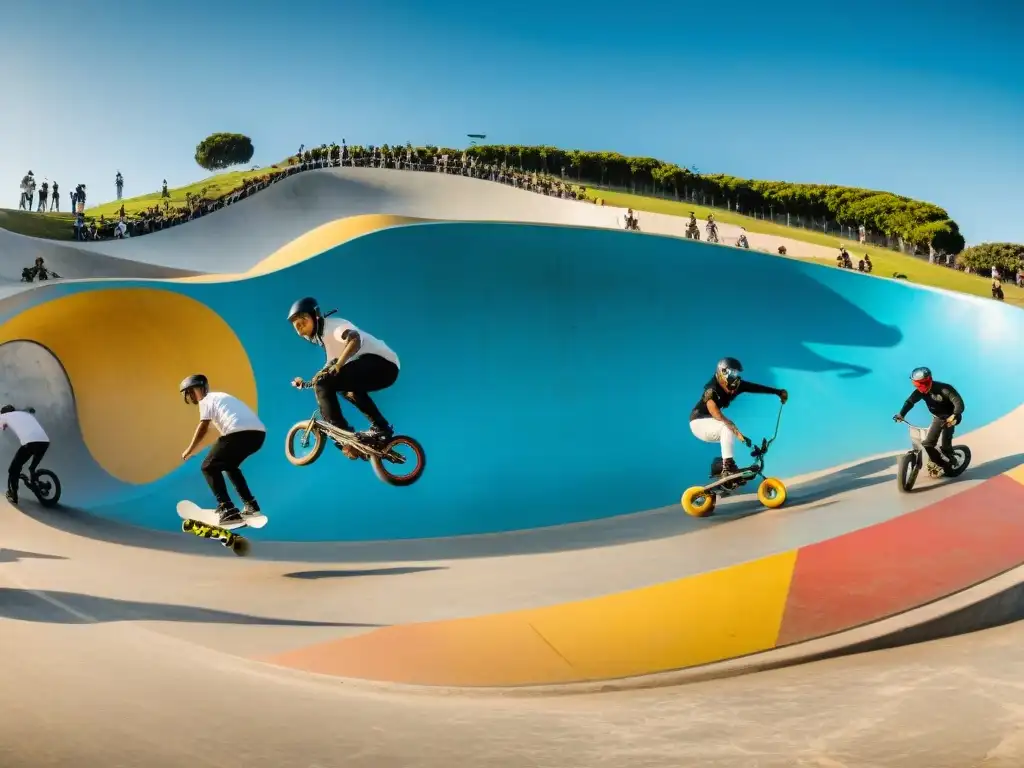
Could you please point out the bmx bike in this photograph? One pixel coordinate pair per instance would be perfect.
(700, 500)
(910, 463)
(45, 485)
(313, 434)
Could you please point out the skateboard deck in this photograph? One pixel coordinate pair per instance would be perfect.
(188, 510)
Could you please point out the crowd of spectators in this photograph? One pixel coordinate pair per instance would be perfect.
(165, 214)
(407, 158)
(845, 261)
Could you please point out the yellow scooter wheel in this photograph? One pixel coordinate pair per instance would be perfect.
(697, 502)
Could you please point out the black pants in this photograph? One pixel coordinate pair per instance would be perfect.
(34, 451)
(369, 373)
(939, 433)
(227, 455)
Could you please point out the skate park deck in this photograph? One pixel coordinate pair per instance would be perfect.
(610, 586)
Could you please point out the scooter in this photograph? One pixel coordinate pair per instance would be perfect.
(910, 463)
(700, 500)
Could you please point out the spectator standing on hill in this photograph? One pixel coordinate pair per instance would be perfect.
(44, 192)
(55, 198)
(28, 190)
(119, 183)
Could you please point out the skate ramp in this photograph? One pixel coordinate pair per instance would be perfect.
(235, 238)
(528, 355)
(71, 261)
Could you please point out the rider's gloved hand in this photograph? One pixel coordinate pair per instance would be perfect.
(897, 418)
(297, 382)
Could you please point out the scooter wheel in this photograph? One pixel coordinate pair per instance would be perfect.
(771, 493)
(697, 502)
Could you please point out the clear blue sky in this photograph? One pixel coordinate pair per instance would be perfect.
(924, 99)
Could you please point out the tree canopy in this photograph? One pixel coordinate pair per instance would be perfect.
(1006, 256)
(222, 150)
(916, 223)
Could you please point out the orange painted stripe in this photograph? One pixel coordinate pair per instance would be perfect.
(700, 619)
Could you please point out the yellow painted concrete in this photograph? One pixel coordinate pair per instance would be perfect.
(697, 620)
(125, 351)
(313, 243)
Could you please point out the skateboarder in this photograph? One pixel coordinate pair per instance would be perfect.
(34, 444)
(241, 435)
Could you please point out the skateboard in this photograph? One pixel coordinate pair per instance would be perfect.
(204, 523)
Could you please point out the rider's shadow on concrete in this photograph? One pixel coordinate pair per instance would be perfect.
(53, 607)
(355, 572)
(864, 474)
(14, 555)
(985, 471)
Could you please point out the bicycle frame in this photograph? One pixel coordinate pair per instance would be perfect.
(342, 436)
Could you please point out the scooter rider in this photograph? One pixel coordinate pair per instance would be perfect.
(946, 407)
(708, 423)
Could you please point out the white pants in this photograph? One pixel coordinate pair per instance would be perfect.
(714, 431)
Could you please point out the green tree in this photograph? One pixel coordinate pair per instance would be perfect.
(1008, 257)
(222, 150)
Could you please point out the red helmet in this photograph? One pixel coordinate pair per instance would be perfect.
(922, 378)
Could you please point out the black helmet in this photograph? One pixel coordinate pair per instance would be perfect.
(195, 380)
(730, 369)
(309, 306)
(6, 409)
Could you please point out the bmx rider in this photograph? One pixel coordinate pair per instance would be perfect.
(947, 409)
(708, 423)
(241, 435)
(34, 444)
(357, 364)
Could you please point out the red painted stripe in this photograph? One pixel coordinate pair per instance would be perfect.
(905, 562)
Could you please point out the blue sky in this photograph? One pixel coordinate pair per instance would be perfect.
(922, 99)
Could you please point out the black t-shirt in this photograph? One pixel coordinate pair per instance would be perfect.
(722, 397)
(942, 400)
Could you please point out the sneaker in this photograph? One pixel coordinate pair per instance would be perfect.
(729, 468)
(251, 509)
(11, 497)
(377, 435)
(229, 516)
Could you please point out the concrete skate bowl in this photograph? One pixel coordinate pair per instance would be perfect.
(532, 356)
(528, 352)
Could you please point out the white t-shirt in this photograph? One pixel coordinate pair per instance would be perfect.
(229, 414)
(334, 342)
(24, 426)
